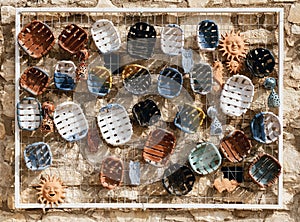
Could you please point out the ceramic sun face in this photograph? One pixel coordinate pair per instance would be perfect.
(51, 190)
(234, 45)
(234, 66)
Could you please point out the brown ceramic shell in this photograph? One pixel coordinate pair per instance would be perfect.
(36, 39)
(112, 172)
(236, 146)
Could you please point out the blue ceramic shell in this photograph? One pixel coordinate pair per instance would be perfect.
(99, 81)
(205, 158)
(169, 83)
(64, 75)
(38, 156)
(208, 35)
(201, 78)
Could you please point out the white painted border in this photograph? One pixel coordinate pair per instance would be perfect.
(279, 205)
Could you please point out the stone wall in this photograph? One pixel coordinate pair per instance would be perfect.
(291, 165)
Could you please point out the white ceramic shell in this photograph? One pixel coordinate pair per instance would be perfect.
(237, 95)
(201, 78)
(172, 39)
(105, 36)
(114, 124)
(70, 121)
(29, 114)
(66, 67)
(272, 127)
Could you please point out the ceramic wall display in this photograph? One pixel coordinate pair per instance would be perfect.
(201, 78)
(237, 95)
(112, 172)
(170, 82)
(70, 121)
(134, 172)
(136, 79)
(34, 80)
(105, 36)
(38, 156)
(178, 180)
(65, 76)
(273, 98)
(73, 38)
(172, 39)
(265, 170)
(205, 158)
(236, 146)
(146, 112)
(99, 80)
(189, 118)
(187, 60)
(260, 62)
(207, 35)
(114, 124)
(141, 40)
(36, 39)
(265, 127)
(29, 114)
(159, 146)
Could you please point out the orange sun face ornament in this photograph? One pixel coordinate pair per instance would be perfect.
(51, 191)
(234, 46)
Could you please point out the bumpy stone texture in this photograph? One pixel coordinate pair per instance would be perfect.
(294, 13)
(248, 2)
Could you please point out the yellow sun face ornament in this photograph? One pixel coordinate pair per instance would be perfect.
(51, 191)
(234, 46)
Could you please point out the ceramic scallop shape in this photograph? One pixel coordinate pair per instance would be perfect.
(205, 158)
(207, 35)
(70, 121)
(172, 39)
(201, 78)
(29, 114)
(170, 82)
(99, 81)
(265, 127)
(105, 36)
(38, 156)
(114, 124)
(237, 95)
(112, 172)
(146, 112)
(65, 76)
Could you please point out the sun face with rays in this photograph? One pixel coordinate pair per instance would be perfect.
(234, 66)
(234, 45)
(51, 190)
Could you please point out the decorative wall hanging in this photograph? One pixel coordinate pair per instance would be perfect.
(146, 113)
(187, 60)
(48, 109)
(273, 99)
(216, 125)
(201, 78)
(172, 39)
(38, 156)
(112, 172)
(207, 35)
(170, 82)
(65, 76)
(99, 81)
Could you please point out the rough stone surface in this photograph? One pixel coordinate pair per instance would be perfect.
(197, 4)
(62, 217)
(294, 13)
(247, 2)
(295, 29)
(7, 14)
(280, 217)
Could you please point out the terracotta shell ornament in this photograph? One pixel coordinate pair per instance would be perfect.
(51, 190)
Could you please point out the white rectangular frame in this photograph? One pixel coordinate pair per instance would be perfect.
(279, 204)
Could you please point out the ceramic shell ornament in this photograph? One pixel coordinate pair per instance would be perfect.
(70, 121)
(36, 39)
(34, 80)
(105, 36)
(136, 79)
(99, 81)
(141, 40)
(207, 35)
(29, 114)
(265, 170)
(205, 158)
(114, 124)
(170, 82)
(51, 191)
(38, 156)
(260, 62)
(236, 146)
(189, 118)
(146, 112)
(201, 78)
(73, 38)
(159, 146)
(172, 39)
(112, 172)
(65, 76)
(265, 127)
(237, 95)
(178, 180)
